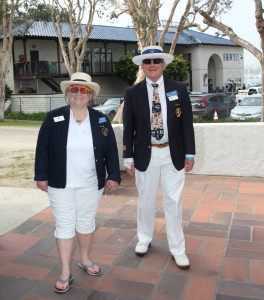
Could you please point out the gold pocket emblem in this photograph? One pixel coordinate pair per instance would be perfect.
(178, 112)
(105, 131)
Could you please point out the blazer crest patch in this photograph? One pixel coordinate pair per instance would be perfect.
(105, 131)
(178, 112)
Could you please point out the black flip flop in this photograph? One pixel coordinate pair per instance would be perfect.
(86, 267)
(62, 281)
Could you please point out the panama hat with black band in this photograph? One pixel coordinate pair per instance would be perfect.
(152, 52)
(82, 79)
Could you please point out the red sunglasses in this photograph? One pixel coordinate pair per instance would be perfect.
(83, 90)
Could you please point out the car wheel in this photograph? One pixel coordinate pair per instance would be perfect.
(112, 114)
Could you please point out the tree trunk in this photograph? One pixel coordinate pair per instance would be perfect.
(2, 92)
(262, 84)
(2, 95)
(2, 105)
(118, 119)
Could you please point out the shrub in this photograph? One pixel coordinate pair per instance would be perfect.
(23, 116)
(8, 92)
(126, 69)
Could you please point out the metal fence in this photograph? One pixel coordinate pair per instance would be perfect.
(31, 103)
(218, 110)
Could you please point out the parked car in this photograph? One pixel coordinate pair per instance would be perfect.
(110, 106)
(205, 105)
(242, 94)
(248, 108)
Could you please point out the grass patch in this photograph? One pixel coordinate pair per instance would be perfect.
(18, 157)
(19, 123)
(202, 120)
(24, 165)
(22, 116)
(11, 175)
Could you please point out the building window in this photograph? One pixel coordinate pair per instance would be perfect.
(238, 82)
(87, 61)
(103, 60)
(136, 52)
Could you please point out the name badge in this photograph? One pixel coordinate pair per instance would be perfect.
(102, 120)
(58, 119)
(172, 95)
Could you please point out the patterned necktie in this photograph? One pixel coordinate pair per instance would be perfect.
(157, 130)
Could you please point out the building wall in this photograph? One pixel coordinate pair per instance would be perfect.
(10, 75)
(219, 63)
(225, 68)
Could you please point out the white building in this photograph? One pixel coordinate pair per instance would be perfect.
(214, 61)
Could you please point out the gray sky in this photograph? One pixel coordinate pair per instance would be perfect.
(241, 18)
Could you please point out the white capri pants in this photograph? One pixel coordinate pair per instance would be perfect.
(74, 209)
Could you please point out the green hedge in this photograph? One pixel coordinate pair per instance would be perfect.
(22, 116)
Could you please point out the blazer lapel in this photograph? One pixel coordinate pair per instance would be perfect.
(170, 109)
(94, 124)
(142, 93)
(66, 114)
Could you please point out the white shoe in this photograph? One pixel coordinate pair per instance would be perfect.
(182, 261)
(141, 249)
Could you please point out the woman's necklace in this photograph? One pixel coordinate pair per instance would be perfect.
(81, 119)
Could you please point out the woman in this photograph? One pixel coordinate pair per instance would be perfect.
(75, 147)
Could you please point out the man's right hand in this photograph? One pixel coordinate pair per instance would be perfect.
(130, 168)
(42, 185)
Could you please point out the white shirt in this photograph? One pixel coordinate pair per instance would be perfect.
(81, 170)
(163, 103)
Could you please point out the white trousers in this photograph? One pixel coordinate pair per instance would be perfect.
(172, 182)
(74, 209)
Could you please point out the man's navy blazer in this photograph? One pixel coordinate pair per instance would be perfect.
(137, 128)
(51, 151)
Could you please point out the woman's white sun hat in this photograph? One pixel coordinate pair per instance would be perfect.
(152, 52)
(83, 79)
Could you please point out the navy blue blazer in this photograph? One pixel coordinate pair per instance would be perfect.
(51, 151)
(137, 128)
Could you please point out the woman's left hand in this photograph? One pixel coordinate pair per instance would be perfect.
(111, 185)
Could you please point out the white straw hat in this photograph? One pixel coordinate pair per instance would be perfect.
(81, 78)
(152, 52)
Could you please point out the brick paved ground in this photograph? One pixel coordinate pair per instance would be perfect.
(223, 220)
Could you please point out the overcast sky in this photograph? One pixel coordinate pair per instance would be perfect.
(241, 18)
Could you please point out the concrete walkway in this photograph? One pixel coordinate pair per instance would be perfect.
(223, 220)
(18, 205)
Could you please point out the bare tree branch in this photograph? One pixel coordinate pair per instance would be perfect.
(6, 51)
(165, 29)
(212, 22)
(73, 52)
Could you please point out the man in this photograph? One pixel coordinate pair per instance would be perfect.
(158, 145)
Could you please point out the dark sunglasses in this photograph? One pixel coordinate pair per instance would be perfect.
(156, 61)
(83, 90)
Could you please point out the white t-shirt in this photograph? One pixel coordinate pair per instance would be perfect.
(81, 170)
